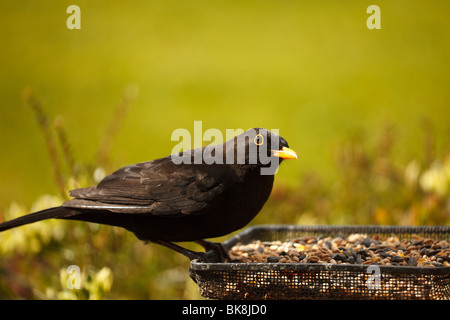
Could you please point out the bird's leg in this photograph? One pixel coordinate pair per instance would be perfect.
(216, 247)
(188, 253)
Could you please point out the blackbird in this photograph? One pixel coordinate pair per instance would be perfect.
(190, 196)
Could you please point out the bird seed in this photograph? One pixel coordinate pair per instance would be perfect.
(354, 249)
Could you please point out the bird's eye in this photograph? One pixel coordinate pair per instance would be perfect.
(259, 140)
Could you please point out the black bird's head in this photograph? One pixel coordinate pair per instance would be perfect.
(260, 147)
(255, 148)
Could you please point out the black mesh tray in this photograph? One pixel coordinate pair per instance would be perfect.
(321, 281)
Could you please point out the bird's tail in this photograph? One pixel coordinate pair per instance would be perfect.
(57, 212)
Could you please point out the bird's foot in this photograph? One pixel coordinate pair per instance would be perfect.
(221, 255)
(188, 253)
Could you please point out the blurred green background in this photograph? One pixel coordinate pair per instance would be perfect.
(366, 110)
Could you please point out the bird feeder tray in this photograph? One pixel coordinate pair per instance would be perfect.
(313, 280)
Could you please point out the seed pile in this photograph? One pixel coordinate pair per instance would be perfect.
(354, 249)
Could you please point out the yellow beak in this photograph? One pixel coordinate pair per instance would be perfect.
(285, 153)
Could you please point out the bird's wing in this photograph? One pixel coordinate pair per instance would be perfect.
(158, 187)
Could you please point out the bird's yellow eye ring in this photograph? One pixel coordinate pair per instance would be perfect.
(259, 139)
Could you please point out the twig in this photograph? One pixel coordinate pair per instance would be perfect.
(43, 123)
(65, 146)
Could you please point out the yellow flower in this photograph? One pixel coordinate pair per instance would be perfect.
(94, 285)
(435, 179)
(412, 172)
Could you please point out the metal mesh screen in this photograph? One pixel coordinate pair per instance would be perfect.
(322, 281)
